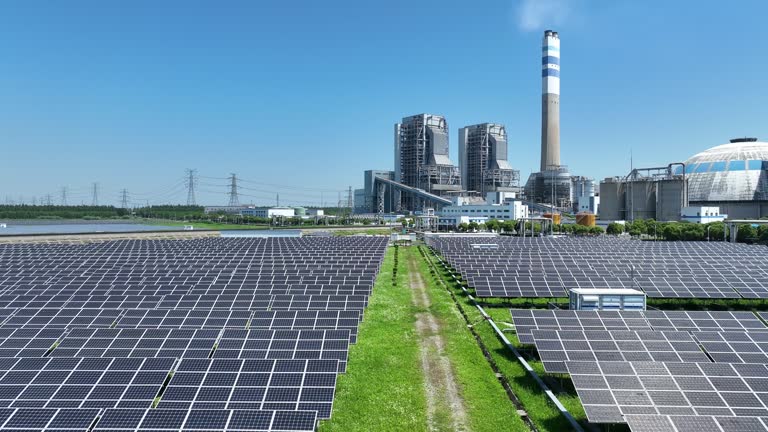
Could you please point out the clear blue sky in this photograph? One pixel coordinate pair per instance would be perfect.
(303, 94)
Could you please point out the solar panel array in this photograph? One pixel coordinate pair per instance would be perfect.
(527, 320)
(610, 390)
(558, 347)
(681, 369)
(550, 267)
(228, 334)
(658, 423)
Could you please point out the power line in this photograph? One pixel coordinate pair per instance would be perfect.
(300, 188)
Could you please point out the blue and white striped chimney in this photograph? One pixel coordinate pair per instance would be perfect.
(550, 101)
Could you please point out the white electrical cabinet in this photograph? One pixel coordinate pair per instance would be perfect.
(606, 299)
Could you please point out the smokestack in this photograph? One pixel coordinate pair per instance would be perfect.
(550, 101)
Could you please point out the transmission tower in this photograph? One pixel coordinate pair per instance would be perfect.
(191, 182)
(64, 195)
(234, 200)
(124, 199)
(48, 199)
(350, 200)
(95, 195)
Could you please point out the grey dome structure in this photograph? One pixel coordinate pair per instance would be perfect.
(733, 176)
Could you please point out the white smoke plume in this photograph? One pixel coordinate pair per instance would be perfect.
(535, 15)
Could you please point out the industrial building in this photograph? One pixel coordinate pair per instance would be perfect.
(422, 159)
(732, 176)
(366, 198)
(552, 184)
(270, 212)
(483, 153)
(583, 195)
(553, 187)
(647, 193)
(702, 214)
(466, 211)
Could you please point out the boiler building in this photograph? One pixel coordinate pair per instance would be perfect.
(483, 153)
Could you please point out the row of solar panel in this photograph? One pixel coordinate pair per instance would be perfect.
(119, 420)
(624, 372)
(224, 360)
(527, 320)
(502, 274)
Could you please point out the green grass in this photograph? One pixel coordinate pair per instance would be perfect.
(540, 409)
(383, 389)
(488, 407)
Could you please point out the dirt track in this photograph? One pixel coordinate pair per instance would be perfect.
(445, 407)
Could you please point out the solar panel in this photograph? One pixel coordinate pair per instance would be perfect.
(557, 347)
(611, 390)
(734, 346)
(526, 320)
(253, 384)
(681, 423)
(549, 267)
(253, 332)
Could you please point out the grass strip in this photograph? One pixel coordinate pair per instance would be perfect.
(544, 414)
(383, 389)
(487, 404)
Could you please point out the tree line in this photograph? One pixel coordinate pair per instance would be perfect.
(24, 211)
(687, 231)
(515, 227)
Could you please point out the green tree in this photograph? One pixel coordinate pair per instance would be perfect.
(463, 227)
(580, 229)
(596, 230)
(508, 226)
(473, 226)
(762, 234)
(672, 232)
(492, 225)
(693, 232)
(717, 231)
(615, 228)
(746, 234)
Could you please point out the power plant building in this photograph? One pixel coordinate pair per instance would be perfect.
(422, 159)
(550, 101)
(552, 184)
(483, 153)
(654, 193)
(366, 198)
(732, 176)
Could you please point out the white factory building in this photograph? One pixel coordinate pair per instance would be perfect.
(269, 212)
(702, 214)
(466, 211)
